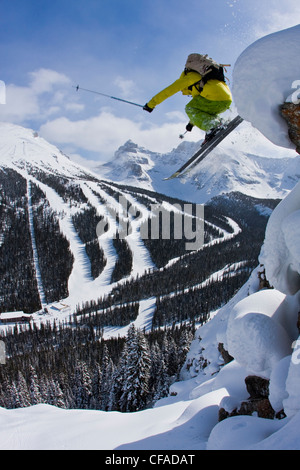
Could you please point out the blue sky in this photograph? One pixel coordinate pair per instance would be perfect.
(126, 48)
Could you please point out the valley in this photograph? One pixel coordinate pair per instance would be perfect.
(94, 273)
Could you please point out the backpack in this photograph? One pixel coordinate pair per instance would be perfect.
(206, 67)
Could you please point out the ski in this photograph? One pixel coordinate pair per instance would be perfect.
(206, 148)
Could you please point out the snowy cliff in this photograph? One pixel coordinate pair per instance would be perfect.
(262, 329)
(259, 329)
(257, 332)
(263, 79)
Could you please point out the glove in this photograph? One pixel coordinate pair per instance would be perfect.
(146, 108)
(189, 127)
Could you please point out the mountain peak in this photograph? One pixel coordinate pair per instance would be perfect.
(244, 162)
(23, 148)
(129, 146)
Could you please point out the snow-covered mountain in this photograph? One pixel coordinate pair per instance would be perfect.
(240, 381)
(24, 150)
(244, 162)
(56, 196)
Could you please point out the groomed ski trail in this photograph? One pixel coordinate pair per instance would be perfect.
(106, 242)
(80, 283)
(141, 260)
(34, 248)
(142, 322)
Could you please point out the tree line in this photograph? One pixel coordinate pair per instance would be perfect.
(69, 368)
(85, 222)
(18, 285)
(54, 255)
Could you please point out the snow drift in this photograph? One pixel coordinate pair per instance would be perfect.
(281, 253)
(262, 328)
(256, 337)
(262, 81)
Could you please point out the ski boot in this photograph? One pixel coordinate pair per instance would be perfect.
(212, 132)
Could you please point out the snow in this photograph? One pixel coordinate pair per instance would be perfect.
(21, 148)
(11, 315)
(240, 433)
(257, 327)
(256, 337)
(281, 254)
(291, 403)
(143, 320)
(245, 161)
(277, 383)
(263, 79)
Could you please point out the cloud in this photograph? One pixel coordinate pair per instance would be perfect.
(279, 15)
(21, 103)
(127, 87)
(105, 133)
(49, 104)
(44, 80)
(74, 107)
(37, 100)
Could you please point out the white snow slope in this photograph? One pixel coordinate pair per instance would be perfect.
(259, 328)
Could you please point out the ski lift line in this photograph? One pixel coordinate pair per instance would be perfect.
(108, 96)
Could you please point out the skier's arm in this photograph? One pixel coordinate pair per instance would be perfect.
(180, 84)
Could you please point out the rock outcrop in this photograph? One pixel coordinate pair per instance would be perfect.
(258, 402)
(291, 113)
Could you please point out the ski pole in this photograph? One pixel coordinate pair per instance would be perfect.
(108, 96)
(182, 135)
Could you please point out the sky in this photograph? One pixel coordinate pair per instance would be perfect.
(129, 49)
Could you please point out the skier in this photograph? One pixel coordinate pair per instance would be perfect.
(211, 95)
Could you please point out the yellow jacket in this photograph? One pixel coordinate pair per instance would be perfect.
(213, 90)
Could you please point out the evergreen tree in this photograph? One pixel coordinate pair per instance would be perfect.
(106, 373)
(96, 383)
(55, 394)
(82, 388)
(2, 397)
(135, 387)
(44, 387)
(34, 389)
(15, 399)
(159, 379)
(106, 382)
(172, 358)
(118, 379)
(163, 383)
(23, 392)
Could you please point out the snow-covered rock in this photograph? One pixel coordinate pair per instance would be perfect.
(281, 250)
(263, 78)
(291, 113)
(277, 387)
(291, 403)
(256, 336)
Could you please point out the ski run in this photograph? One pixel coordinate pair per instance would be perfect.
(81, 285)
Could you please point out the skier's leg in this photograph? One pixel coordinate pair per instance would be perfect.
(204, 113)
(201, 119)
